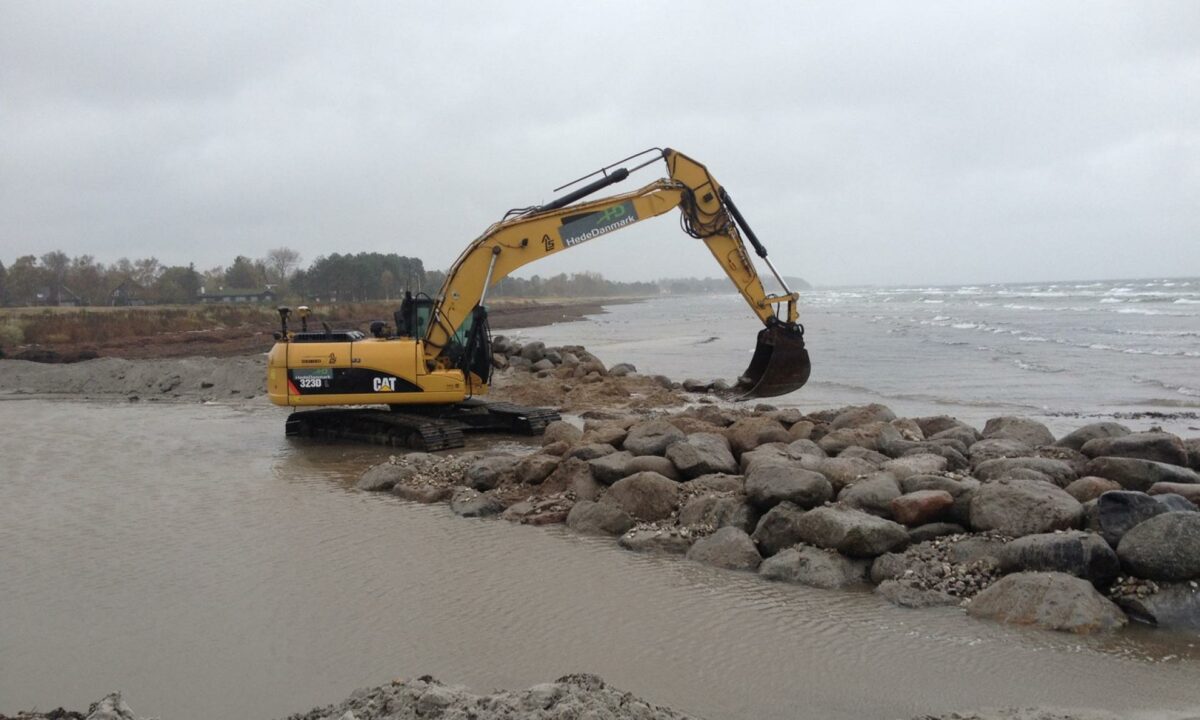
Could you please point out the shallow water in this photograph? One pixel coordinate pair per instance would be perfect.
(1068, 353)
(195, 559)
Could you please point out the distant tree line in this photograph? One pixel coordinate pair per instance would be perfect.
(56, 279)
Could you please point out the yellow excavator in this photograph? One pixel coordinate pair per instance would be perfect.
(434, 366)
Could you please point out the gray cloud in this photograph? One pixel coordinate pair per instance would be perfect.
(867, 143)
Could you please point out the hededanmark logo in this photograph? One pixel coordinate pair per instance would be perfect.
(581, 228)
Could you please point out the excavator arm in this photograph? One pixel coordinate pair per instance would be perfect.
(780, 363)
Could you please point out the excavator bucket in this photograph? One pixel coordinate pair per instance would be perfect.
(780, 364)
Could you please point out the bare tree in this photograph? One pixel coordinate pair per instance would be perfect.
(281, 263)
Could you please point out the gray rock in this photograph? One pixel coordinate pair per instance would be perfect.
(807, 565)
(1165, 547)
(778, 529)
(1137, 474)
(769, 485)
(488, 473)
(956, 458)
(425, 494)
(1173, 502)
(1023, 507)
(866, 436)
(534, 469)
(1075, 552)
(1077, 439)
(905, 595)
(729, 547)
(921, 463)
(593, 518)
(606, 433)
(652, 437)
(1025, 430)
(111, 707)
(1193, 448)
(469, 503)
(384, 477)
(994, 448)
(921, 507)
(591, 451)
(1157, 446)
(717, 483)
(841, 472)
(622, 369)
(607, 469)
(1054, 601)
(1057, 471)
(850, 532)
(771, 454)
(857, 416)
(543, 364)
(702, 454)
(1119, 511)
(560, 430)
(653, 463)
(966, 435)
(938, 424)
(533, 351)
(873, 494)
(871, 456)
(961, 490)
(800, 447)
(748, 433)
(1188, 491)
(646, 496)
(929, 531)
(719, 511)
(1091, 487)
(656, 540)
(1174, 606)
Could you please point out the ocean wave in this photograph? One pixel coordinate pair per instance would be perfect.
(1173, 387)
(1186, 301)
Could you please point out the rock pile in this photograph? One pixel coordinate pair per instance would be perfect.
(930, 510)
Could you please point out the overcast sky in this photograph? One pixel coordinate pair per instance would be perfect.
(865, 142)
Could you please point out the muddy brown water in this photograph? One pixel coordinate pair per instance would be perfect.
(192, 557)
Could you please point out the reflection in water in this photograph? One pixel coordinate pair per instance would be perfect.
(197, 560)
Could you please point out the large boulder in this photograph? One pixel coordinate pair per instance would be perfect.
(469, 503)
(875, 458)
(778, 529)
(1077, 439)
(384, 476)
(1166, 547)
(1017, 507)
(534, 469)
(653, 463)
(994, 448)
(1188, 491)
(1138, 474)
(608, 469)
(646, 496)
(1051, 600)
(1091, 487)
(1057, 471)
(669, 541)
(772, 454)
(719, 511)
(934, 425)
(850, 532)
(593, 518)
(488, 473)
(608, 433)
(1030, 432)
(961, 490)
(873, 494)
(652, 437)
(1193, 448)
(561, 431)
(921, 507)
(591, 451)
(807, 565)
(1119, 511)
(840, 472)
(865, 436)
(921, 463)
(1156, 446)
(702, 454)
(857, 416)
(1174, 606)
(801, 447)
(717, 482)
(1075, 552)
(748, 433)
(769, 485)
(729, 547)
(908, 595)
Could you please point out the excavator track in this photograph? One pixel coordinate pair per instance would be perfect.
(426, 429)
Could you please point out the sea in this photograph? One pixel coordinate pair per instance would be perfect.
(1067, 352)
